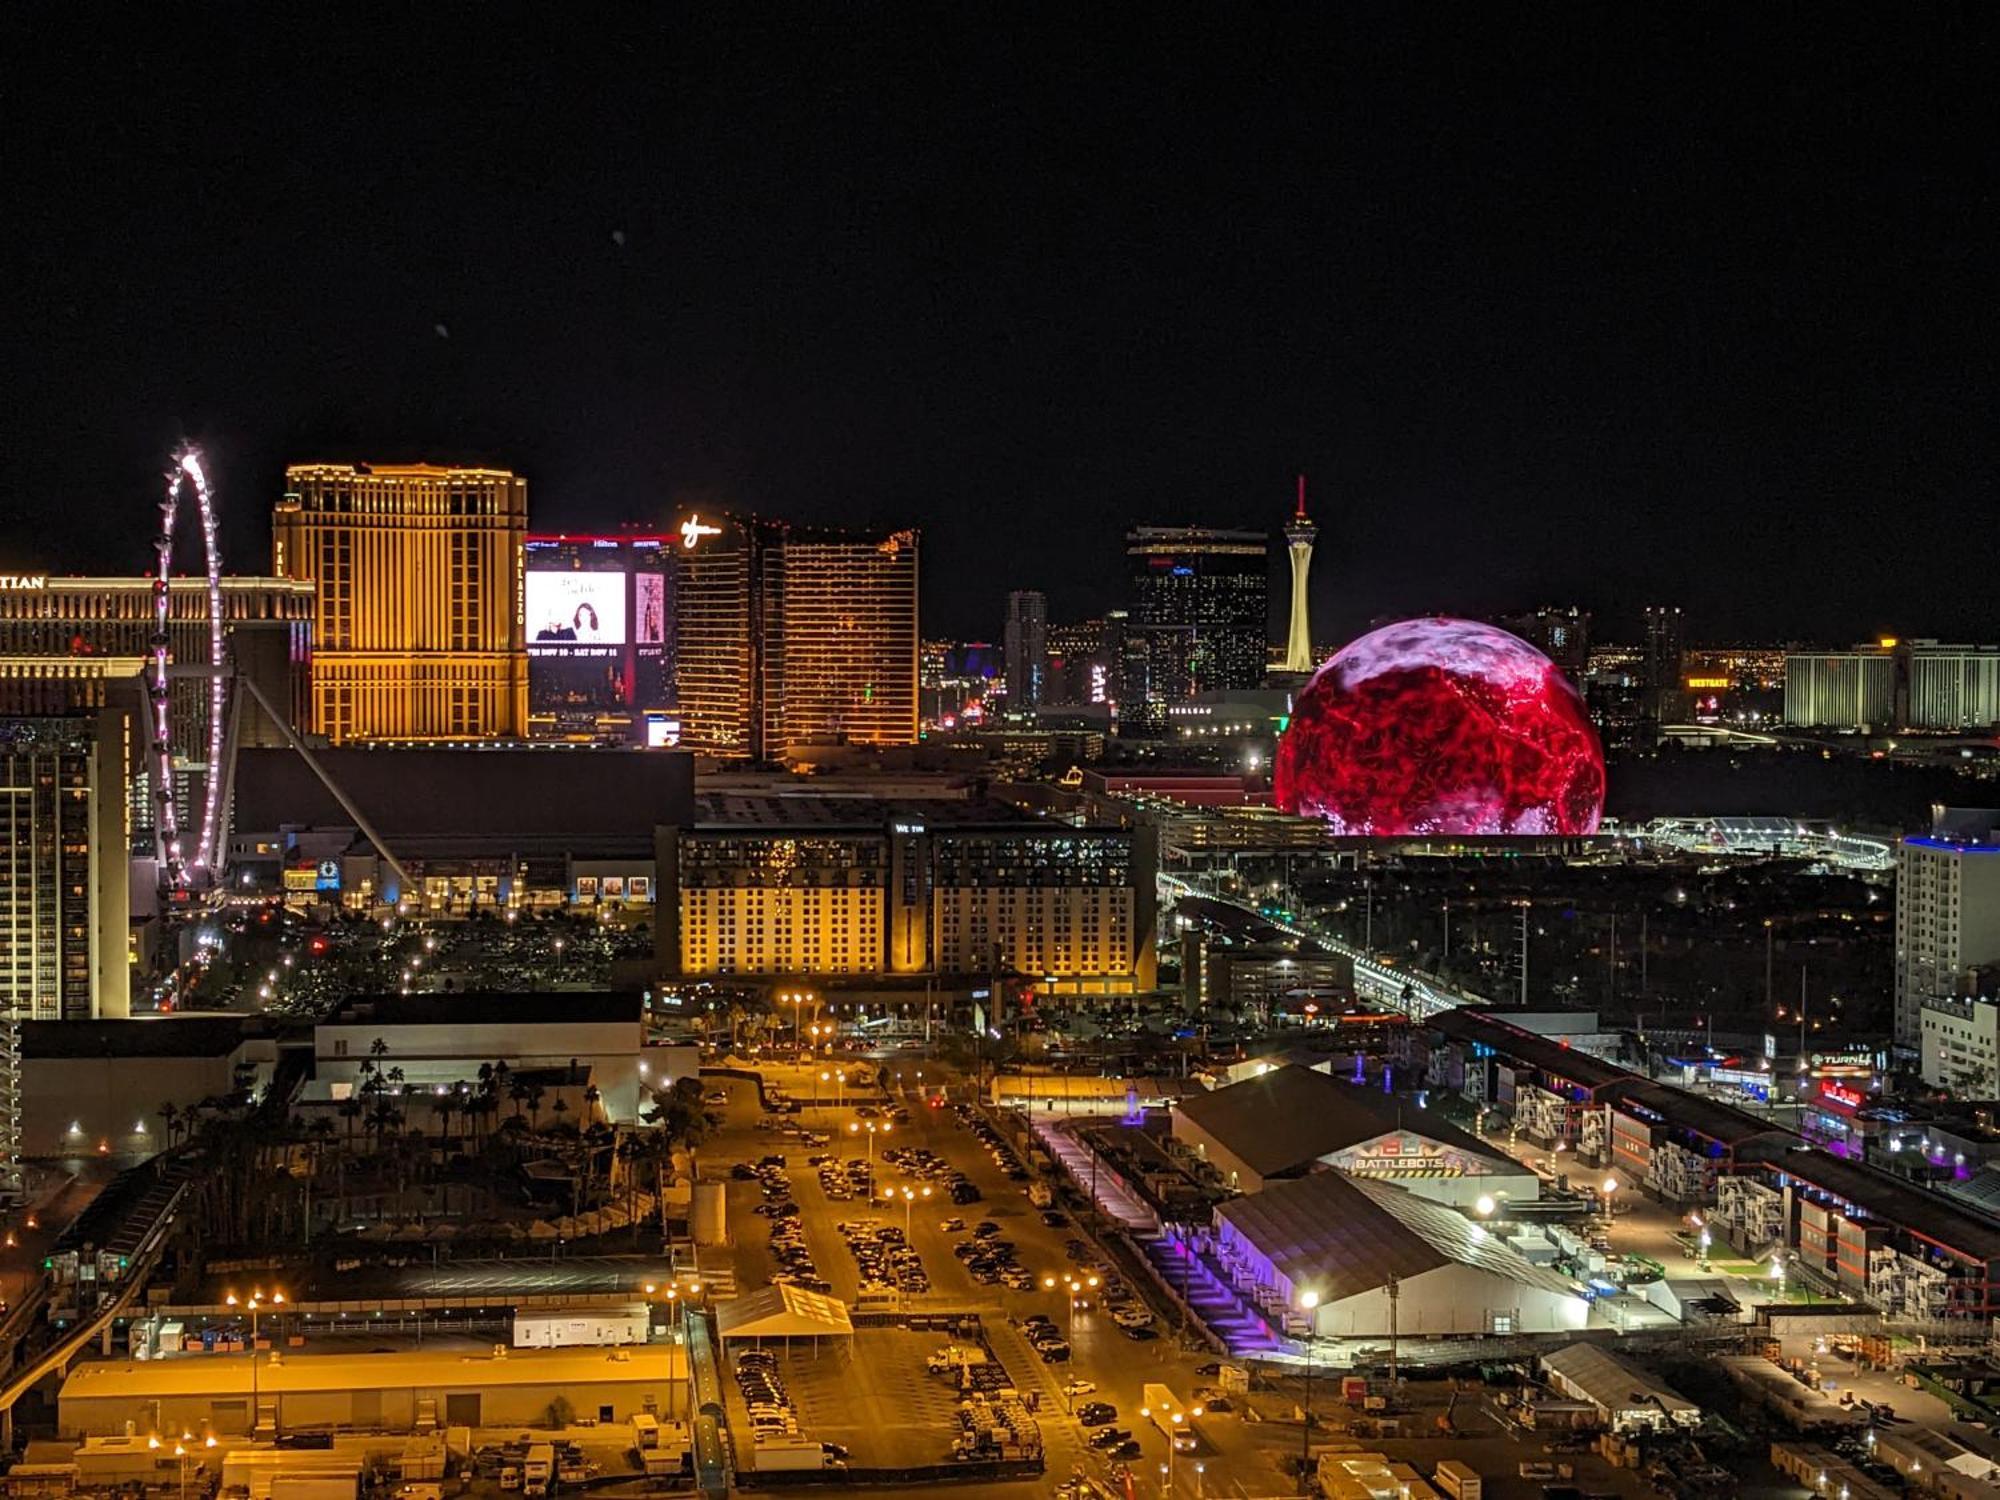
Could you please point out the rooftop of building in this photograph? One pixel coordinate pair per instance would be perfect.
(788, 810)
(499, 798)
(477, 1008)
(1292, 1116)
(140, 1036)
(1341, 1236)
(1551, 1056)
(1613, 1381)
(296, 1374)
(1886, 1198)
(396, 471)
(143, 584)
(1708, 1117)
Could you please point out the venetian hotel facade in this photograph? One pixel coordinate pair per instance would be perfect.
(417, 633)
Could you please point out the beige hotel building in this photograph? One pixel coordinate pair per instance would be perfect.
(417, 634)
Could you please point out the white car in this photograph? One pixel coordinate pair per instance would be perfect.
(1079, 1387)
(715, 1096)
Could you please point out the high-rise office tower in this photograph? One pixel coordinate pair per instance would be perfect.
(64, 851)
(1198, 617)
(1666, 645)
(850, 627)
(1947, 910)
(418, 631)
(1027, 647)
(1299, 534)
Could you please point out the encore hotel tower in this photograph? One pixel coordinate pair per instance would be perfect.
(419, 571)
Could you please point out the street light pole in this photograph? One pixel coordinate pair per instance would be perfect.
(1309, 1300)
(255, 1303)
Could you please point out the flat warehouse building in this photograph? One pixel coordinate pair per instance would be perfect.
(392, 1392)
(440, 1040)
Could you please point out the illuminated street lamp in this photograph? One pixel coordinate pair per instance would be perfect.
(855, 1127)
(257, 1301)
(909, 1194)
(1308, 1299)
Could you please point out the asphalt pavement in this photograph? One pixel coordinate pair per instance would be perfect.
(1233, 1461)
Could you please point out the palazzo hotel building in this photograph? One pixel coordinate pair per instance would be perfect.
(418, 631)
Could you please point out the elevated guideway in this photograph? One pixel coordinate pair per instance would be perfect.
(1408, 991)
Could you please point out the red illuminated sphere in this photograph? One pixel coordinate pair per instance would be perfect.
(1441, 726)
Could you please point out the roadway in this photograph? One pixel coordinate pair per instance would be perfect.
(1372, 978)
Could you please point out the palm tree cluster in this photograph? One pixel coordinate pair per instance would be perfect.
(272, 1176)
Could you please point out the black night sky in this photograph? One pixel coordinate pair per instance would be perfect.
(1553, 304)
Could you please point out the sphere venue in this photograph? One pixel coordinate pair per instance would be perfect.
(1441, 726)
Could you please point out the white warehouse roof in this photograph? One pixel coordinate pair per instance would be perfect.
(1346, 1235)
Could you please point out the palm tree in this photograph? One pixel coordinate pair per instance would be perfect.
(383, 1118)
(170, 1115)
(558, 1109)
(520, 1090)
(592, 1097)
(535, 1092)
(350, 1111)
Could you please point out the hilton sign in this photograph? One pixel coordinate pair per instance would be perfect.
(17, 581)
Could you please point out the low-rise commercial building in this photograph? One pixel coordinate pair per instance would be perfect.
(1627, 1398)
(441, 1040)
(104, 1088)
(392, 1392)
(485, 828)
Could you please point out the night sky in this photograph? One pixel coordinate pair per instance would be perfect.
(1552, 304)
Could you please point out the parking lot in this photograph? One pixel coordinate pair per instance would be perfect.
(855, 1406)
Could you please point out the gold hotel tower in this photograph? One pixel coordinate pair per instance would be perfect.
(417, 634)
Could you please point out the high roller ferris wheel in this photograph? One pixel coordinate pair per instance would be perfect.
(180, 866)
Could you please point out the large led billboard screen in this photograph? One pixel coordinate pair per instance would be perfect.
(572, 608)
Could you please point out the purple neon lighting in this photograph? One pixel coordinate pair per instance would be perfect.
(168, 823)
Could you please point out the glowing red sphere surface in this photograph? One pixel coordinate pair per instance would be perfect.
(1441, 726)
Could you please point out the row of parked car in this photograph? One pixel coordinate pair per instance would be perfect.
(792, 1260)
(1045, 1338)
(988, 1258)
(926, 1165)
(886, 1261)
(996, 1145)
(771, 1412)
(855, 1179)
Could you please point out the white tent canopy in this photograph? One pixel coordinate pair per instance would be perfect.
(783, 1312)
